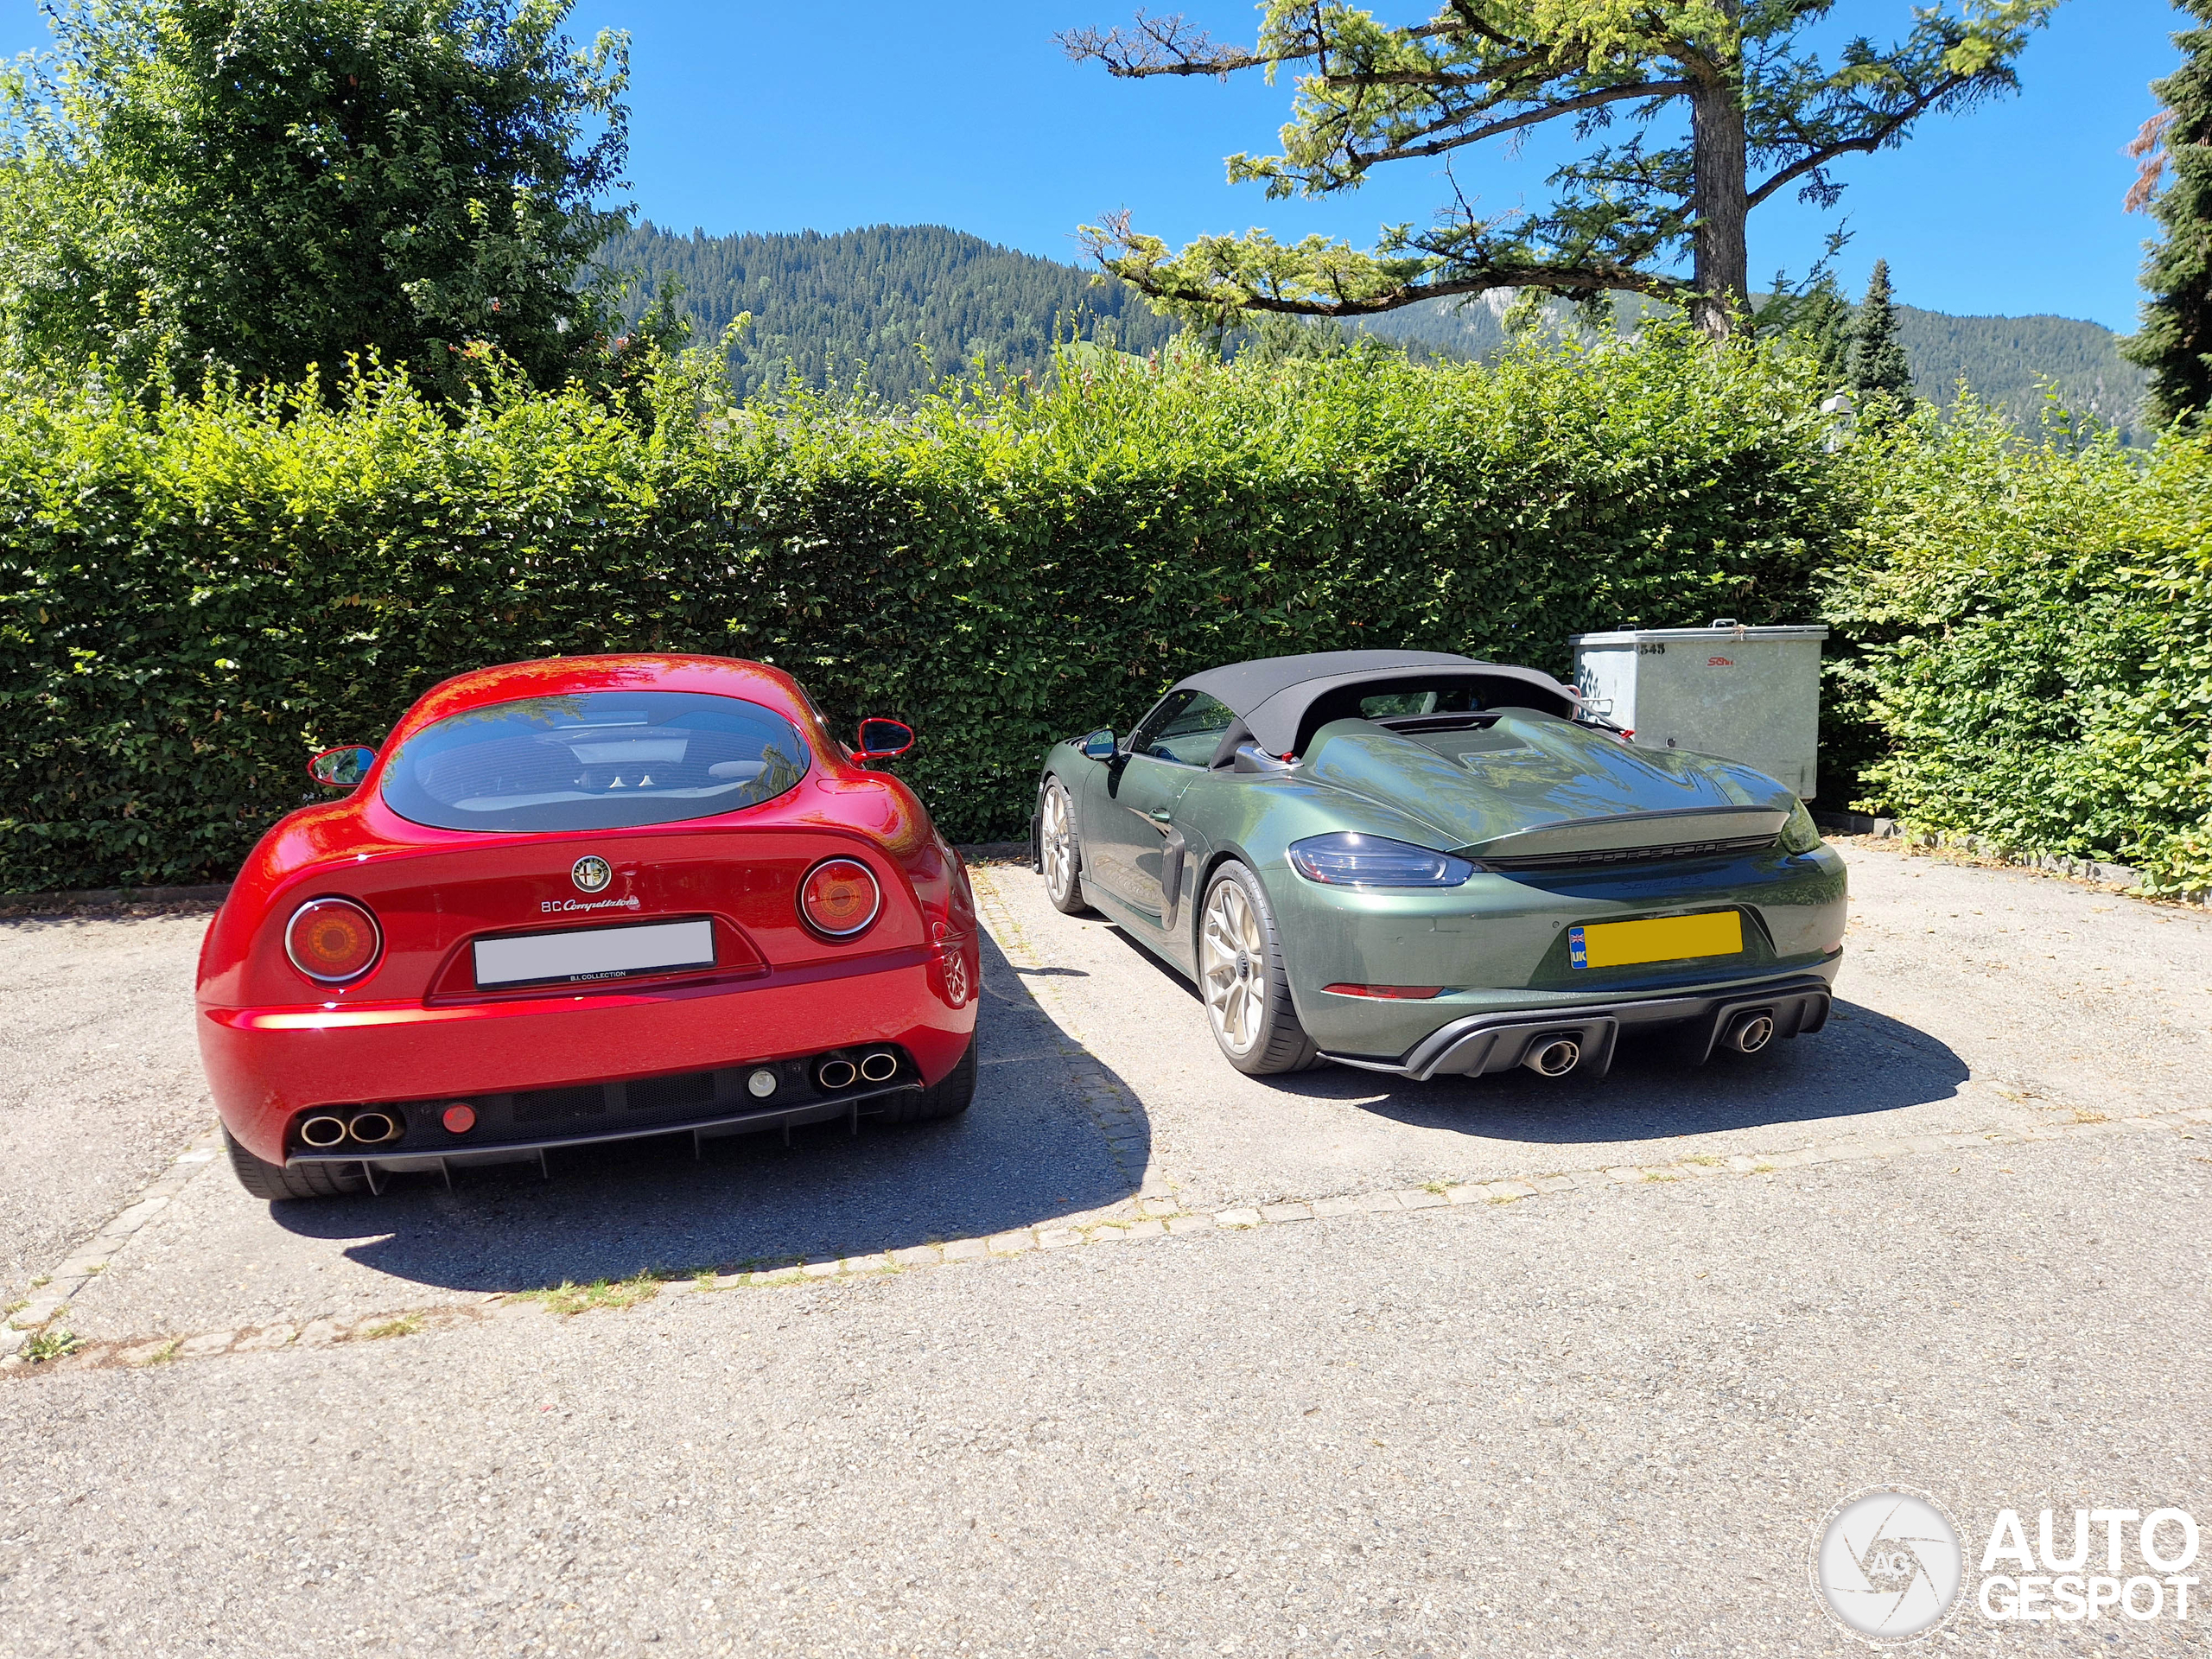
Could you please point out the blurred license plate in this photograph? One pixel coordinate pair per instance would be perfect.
(1670, 938)
(593, 953)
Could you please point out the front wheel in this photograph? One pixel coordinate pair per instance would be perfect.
(1246, 988)
(277, 1182)
(1060, 850)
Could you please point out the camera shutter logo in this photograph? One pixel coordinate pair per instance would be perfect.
(590, 873)
(1887, 1565)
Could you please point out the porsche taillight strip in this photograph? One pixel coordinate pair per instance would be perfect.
(1630, 854)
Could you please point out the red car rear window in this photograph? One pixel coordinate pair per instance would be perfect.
(594, 760)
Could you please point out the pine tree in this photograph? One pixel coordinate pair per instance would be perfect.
(1820, 321)
(1878, 364)
(2175, 340)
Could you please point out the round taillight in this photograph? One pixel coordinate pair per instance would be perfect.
(839, 897)
(332, 940)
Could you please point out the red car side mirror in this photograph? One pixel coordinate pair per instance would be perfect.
(884, 740)
(343, 767)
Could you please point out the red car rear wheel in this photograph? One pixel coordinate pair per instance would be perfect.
(948, 1097)
(274, 1182)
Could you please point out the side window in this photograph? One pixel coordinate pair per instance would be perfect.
(1185, 732)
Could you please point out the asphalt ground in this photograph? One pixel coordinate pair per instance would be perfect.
(1601, 1420)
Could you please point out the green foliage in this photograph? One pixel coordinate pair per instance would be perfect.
(2035, 629)
(2175, 342)
(901, 306)
(252, 187)
(1822, 321)
(195, 597)
(1684, 117)
(1878, 367)
(2016, 365)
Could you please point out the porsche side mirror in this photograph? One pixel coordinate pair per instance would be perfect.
(1099, 746)
(884, 740)
(343, 767)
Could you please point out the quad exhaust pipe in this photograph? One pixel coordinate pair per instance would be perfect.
(1553, 1057)
(372, 1127)
(877, 1066)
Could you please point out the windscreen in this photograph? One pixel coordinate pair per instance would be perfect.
(596, 760)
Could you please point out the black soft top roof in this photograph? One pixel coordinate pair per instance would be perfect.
(1273, 695)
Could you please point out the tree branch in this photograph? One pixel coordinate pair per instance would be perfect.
(1395, 152)
(1865, 144)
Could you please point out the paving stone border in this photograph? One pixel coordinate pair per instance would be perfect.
(1160, 1218)
(51, 1292)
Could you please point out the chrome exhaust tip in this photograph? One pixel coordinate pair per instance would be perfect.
(373, 1129)
(322, 1131)
(835, 1074)
(1749, 1033)
(879, 1067)
(1553, 1057)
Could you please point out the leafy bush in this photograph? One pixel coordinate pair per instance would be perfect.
(2035, 634)
(195, 598)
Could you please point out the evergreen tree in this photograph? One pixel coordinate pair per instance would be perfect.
(1820, 321)
(1878, 364)
(1684, 117)
(2175, 341)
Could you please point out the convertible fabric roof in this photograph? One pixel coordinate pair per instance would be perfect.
(1272, 695)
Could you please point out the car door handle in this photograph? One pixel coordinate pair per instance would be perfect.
(1160, 815)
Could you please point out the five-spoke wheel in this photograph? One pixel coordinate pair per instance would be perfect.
(1241, 973)
(1061, 850)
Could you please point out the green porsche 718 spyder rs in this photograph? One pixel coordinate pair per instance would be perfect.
(1422, 864)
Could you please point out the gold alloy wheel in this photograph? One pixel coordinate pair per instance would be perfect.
(1054, 841)
(1232, 963)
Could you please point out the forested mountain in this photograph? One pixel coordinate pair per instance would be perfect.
(900, 299)
(2003, 359)
(831, 305)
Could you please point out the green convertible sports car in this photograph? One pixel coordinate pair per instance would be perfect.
(1421, 864)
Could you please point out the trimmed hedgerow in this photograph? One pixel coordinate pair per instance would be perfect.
(2034, 628)
(196, 596)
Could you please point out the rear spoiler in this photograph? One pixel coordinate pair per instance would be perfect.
(1574, 840)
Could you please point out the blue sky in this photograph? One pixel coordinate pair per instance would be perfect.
(760, 116)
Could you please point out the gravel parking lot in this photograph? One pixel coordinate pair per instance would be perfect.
(1598, 1412)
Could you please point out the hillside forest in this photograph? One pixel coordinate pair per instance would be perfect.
(905, 305)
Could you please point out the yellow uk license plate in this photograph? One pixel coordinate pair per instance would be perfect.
(1667, 938)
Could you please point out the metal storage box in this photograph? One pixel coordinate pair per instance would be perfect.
(1752, 694)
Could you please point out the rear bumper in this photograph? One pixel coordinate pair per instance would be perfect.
(268, 1066)
(1500, 1041)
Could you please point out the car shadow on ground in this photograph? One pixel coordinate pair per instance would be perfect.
(1864, 1062)
(1028, 1152)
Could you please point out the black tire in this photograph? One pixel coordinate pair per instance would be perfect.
(275, 1183)
(1242, 978)
(1059, 846)
(948, 1097)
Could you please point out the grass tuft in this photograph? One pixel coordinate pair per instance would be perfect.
(569, 1299)
(406, 1326)
(51, 1344)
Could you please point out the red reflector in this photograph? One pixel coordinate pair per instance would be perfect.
(839, 897)
(460, 1118)
(1389, 993)
(332, 940)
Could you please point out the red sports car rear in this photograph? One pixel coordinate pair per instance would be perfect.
(579, 901)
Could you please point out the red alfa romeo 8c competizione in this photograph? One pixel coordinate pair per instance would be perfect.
(583, 900)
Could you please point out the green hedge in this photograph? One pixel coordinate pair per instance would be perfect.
(2035, 642)
(195, 598)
